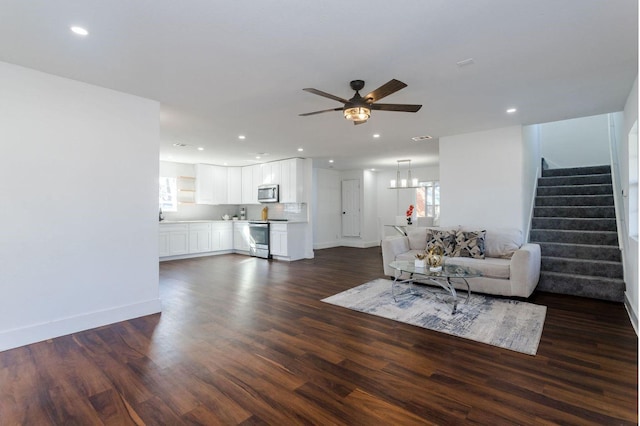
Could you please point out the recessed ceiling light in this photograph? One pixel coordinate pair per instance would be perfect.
(421, 138)
(80, 31)
(376, 135)
(300, 149)
(258, 157)
(200, 148)
(373, 170)
(511, 110)
(225, 164)
(331, 161)
(242, 137)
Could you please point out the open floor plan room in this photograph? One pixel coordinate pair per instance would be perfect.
(243, 340)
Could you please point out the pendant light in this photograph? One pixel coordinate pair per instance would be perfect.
(409, 182)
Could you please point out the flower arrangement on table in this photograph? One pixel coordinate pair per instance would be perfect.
(409, 214)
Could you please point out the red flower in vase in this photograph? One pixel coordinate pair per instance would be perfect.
(410, 210)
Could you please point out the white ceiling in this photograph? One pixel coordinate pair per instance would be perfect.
(225, 68)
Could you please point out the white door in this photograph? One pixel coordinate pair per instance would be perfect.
(351, 208)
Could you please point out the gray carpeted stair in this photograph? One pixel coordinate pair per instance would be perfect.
(574, 223)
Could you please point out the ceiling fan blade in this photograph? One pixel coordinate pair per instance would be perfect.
(325, 94)
(355, 123)
(386, 89)
(320, 112)
(396, 107)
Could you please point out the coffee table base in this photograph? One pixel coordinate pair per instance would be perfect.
(443, 282)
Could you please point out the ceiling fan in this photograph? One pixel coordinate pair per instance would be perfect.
(358, 108)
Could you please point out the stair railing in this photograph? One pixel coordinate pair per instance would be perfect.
(533, 203)
(618, 195)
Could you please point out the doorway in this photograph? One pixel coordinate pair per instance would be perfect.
(351, 208)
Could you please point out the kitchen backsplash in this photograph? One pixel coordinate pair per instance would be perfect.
(290, 211)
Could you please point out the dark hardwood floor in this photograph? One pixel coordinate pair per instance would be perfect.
(247, 341)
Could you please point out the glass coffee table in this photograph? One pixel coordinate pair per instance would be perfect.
(441, 278)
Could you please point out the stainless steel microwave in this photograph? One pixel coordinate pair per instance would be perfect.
(268, 193)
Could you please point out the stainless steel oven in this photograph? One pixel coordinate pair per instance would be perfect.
(259, 239)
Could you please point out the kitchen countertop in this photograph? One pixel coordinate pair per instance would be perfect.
(221, 220)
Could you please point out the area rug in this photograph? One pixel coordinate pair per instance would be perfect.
(505, 323)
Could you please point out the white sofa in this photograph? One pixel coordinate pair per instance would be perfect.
(510, 267)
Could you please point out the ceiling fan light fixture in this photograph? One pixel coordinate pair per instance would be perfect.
(357, 113)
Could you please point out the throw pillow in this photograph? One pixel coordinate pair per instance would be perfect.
(502, 242)
(443, 239)
(470, 244)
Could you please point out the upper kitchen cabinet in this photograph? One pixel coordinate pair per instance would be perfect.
(204, 184)
(234, 185)
(211, 184)
(292, 181)
(270, 173)
(249, 189)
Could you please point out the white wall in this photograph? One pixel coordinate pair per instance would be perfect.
(481, 179)
(79, 180)
(531, 171)
(631, 256)
(326, 208)
(575, 143)
(369, 232)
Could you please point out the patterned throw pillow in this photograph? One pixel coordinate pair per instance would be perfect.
(470, 244)
(444, 239)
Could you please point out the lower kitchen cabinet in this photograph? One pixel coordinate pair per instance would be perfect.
(222, 236)
(286, 241)
(241, 237)
(182, 240)
(173, 239)
(199, 237)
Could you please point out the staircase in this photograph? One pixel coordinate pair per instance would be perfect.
(574, 222)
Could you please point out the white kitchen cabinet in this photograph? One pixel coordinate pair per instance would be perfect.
(265, 173)
(287, 240)
(278, 239)
(270, 173)
(220, 190)
(199, 237)
(173, 239)
(190, 239)
(163, 243)
(241, 237)
(292, 181)
(234, 185)
(257, 179)
(249, 187)
(221, 236)
(204, 184)
(211, 184)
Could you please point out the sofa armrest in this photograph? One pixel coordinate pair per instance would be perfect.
(525, 270)
(391, 247)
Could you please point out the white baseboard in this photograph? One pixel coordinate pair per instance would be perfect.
(347, 243)
(633, 316)
(329, 244)
(359, 243)
(38, 332)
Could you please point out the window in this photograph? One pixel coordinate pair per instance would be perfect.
(428, 199)
(168, 194)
